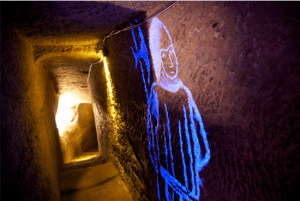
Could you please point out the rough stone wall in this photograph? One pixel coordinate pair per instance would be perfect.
(30, 151)
(240, 61)
(80, 134)
(112, 127)
(98, 90)
(34, 35)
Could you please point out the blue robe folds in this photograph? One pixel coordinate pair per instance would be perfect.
(177, 142)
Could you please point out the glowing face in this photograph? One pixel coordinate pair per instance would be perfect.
(169, 61)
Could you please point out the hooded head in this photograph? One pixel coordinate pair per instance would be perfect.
(162, 52)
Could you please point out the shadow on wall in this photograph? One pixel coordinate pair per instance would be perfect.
(128, 91)
(254, 145)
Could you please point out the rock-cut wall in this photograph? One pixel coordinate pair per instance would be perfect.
(240, 62)
(30, 150)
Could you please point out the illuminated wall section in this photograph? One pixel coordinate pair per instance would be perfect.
(64, 111)
(115, 120)
(209, 95)
(176, 174)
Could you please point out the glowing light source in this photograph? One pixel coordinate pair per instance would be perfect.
(116, 117)
(84, 157)
(65, 111)
(108, 79)
(111, 99)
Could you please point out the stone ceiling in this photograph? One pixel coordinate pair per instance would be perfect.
(57, 22)
(65, 35)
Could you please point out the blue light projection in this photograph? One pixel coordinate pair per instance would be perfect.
(177, 140)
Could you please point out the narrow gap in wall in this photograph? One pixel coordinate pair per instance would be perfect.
(74, 116)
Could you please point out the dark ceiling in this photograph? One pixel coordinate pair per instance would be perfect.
(65, 34)
(51, 19)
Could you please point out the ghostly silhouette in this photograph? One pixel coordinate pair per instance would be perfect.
(174, 125)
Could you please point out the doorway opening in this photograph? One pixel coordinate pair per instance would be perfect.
(77, 131)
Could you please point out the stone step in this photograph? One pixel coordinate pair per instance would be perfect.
(112, 190)
(77, 179)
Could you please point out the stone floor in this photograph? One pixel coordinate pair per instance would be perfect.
(92, 153)
(91, 183)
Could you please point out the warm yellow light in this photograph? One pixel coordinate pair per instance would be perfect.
(65, 112)
(84, 157)
(100, 54)
(116, 117)
(108, 79)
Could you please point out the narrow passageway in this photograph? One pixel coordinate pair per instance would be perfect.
(46, 51)
(150, 100)
(85, 174)
(74, 116)
(91, 183)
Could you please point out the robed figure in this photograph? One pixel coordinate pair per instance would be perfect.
(176, 137)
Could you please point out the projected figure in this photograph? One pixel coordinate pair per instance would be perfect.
(177, 140)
